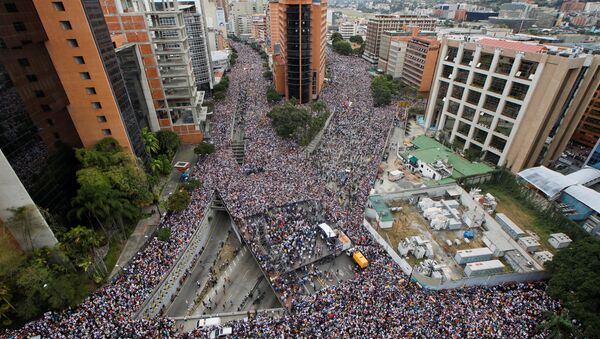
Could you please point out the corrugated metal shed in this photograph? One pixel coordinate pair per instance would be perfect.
(586, 196)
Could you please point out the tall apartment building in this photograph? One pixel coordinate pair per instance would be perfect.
(77, 49)
(216, 16)
(259, 28)
(515, 104)
(195, 28)
(160, 33)
(588, 131)
(381, 23)
(298, 29)
(420, 61)
(409, 55)
(347, 29)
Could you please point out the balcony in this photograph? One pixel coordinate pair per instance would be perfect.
(175, 93)
(176, 83)
(485, 61)
(467, 58)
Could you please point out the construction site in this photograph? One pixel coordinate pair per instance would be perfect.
(449, 234)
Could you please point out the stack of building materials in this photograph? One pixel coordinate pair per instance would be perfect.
(473, 218)
(509, 226)
(487, 201)
(529, 244)
(431, 268)
(473, 255)
(441, 214)
(417, 246)
(481, 268)
(559, 240)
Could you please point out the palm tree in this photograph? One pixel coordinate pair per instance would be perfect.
(5, 306)
(150, 140)
(557, 326)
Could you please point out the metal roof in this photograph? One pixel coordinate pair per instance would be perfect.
(551, 183)
(514, 45)
(586, 196)
(584, 175)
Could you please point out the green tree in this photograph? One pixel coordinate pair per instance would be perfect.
(557, 326)
(164, 234)
(178, 201)
(151, 142)
(342, 47)
(336, 37)
(272, 95)
(383, 89)
(160, 165)
(575, 272)
(79, 245)
(268, 75)
(204, 148)
(219, 95)
(5, 306)
(168, 142)
(289, 120)
(192, 184)
(357, 39)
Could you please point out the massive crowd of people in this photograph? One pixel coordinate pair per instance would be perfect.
(377, 302)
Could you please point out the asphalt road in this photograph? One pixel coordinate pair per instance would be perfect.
(218, 229)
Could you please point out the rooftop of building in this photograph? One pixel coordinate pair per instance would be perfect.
(381, 208)
(552, 183)
(429, 150)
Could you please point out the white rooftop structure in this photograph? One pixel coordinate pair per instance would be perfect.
(586, 196)
(559, 240)
(543, 256)
(552, 183)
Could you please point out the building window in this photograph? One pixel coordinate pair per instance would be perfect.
(58, 6)
(468, 113)
(497, 85)
(491, 103)
(26, 42)
(39, 93)
(101, 118)
(90, 90)
(72, 43)
(462, 75)
(96, 105)
(106, 131)
(485, 60)
(50, 122)
(2, 44)
(511, 110)
(478, 80)
(66, 25)
(518, 91)
(79, 59)
(473, 97)
(46, 108)
(56, 135)
(10, 7)
(32, 77)
(19, 26)
(85, 75)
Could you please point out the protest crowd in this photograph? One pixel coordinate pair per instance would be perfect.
(277, 210)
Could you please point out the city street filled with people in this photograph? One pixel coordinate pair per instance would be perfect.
(334, 182)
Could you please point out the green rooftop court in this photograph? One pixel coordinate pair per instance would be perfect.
(429, 150)
(377, 203)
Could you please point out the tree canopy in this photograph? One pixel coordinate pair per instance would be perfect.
(297, 122)
(357, 39)
(336, 37)
(575, 275)
(204, 148)
(112, 187)
(178, 201)
(272, 95)
(383, 90)
(342, 47)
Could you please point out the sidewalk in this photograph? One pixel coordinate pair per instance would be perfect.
(145, 227)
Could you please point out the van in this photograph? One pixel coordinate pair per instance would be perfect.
(395, 175)
(360, 259)
(326, 231)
